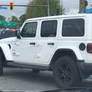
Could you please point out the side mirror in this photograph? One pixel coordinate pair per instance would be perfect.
(18, 34)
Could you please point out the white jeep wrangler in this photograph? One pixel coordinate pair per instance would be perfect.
(62, 44)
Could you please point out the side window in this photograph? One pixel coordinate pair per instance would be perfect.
(49, 28)
(73, 27)
(29, 29)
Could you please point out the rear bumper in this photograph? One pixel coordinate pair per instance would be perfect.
(85, 68)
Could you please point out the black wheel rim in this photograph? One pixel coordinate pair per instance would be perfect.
(64, 73)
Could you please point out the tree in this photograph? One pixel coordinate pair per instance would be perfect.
(22, 18)
(14, 19)
(2, 18)
(43, 11)
(83, 5)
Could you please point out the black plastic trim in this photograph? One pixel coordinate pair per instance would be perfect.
(27, 66)
(85, 68)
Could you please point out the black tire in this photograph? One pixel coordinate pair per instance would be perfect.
(66, 72)
(35, 70)
(1, 65)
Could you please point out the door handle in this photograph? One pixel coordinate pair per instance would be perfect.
(33, 43)
(50, 43)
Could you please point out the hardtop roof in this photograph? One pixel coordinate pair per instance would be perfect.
(59, 16)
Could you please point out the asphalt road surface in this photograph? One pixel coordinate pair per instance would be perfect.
(25, 79)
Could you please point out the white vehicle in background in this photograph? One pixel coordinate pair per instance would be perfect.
(62, 44)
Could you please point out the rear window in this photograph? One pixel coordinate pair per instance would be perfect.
(73, 27)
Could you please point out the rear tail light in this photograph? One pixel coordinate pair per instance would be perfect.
(89, 48)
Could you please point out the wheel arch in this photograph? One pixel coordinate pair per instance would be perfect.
(2, 53)
(5, 50)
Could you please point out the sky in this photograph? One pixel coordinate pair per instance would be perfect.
(67, 4)
(17, 10)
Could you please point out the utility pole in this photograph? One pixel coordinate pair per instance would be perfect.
(61, 3)
(83, 5)
(48, 7)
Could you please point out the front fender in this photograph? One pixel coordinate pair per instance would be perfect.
(6, 51)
